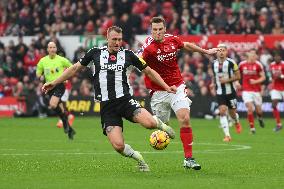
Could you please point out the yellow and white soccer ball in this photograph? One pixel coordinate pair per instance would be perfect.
(159, 140)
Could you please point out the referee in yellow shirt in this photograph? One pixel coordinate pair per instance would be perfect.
(51, 67)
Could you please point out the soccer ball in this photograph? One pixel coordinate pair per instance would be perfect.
(159, 140)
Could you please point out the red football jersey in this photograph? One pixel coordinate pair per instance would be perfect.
(277, 69)
(68, 85)
(250, 70)
(162, 57)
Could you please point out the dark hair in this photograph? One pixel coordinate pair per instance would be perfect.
(158, 20)
(114, 28)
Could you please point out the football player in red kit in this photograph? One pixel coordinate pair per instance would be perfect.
(277, 92)
(160, 52)
(252, 74)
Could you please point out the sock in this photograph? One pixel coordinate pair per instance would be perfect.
(225, 125)
(129, 152)
(160, 124)
(251, 120)
(186, 138)
(276, 116)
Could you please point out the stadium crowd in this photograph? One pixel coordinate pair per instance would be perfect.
(49, 19)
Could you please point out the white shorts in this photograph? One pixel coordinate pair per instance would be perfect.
(277, 95)
(162, 102)
(254, 97)
(65, 96)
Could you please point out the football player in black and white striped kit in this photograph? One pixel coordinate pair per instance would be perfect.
(110, 65)
(226, 72)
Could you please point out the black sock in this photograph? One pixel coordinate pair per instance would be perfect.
(62, 116)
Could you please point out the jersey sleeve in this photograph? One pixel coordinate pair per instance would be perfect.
(88, 57)
(39, 69)
(137, 61)
(235, 66)
(180, 44)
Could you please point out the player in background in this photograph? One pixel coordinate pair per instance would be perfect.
(160, 52)
(226, 72)
(51, 67)
(64, 99)
(277, 92)
(252, 74)
(111, 85)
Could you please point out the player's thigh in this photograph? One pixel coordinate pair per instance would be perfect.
(180, 99)
(143, 117)
(257, 99)
(247, 97)
(223, 109)
(160, 105)
(109, 116)
(54, 100)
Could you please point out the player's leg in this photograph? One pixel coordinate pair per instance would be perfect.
(71, 132)
(114, 134)
(248, 100)
(181, 106)
(258, 108)
(231, 102)
(134, 112)
(57, 106)
(224, 123)
(112, 126)
(148, 121)
(275, 97)
(235, 117)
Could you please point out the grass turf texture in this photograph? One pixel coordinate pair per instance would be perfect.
(36, 154)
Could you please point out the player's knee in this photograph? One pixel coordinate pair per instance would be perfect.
(52, 105)
(184, 118)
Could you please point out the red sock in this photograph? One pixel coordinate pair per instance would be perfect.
(186, 138)
(276, 116)
(251, 120)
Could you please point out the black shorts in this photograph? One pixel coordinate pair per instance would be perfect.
(112, 111)
(228, 100)
(57, 91)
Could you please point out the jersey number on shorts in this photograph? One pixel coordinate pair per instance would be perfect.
(233, 103)
(134, 103)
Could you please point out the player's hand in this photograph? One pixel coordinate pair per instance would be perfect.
(238, 86)
(252, 81)
(212, 51)
(172, 89)
(223, 80)
(47, 87)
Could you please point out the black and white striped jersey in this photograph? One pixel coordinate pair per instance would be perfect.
(226, 70)
(110, 71)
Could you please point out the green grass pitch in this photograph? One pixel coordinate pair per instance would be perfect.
(34, 153)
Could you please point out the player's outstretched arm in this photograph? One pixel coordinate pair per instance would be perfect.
(69, 72)
(192, 47)
(154, 76)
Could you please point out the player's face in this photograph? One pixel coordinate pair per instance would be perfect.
(252, 56)
(51, 48)
(222, 53)
(114, 40)
(158, 31)
(277, 58)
